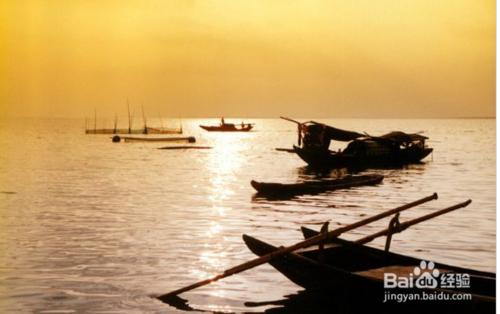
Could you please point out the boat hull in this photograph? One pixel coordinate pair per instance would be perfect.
(316, 186)
(226, 128)
(329, 159)
(343, 266)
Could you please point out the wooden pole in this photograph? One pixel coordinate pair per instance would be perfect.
(144, 120)
(116, 123)
(129, 119)
(284, 250)
(291, 120)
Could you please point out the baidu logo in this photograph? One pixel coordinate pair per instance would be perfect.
(427, 275)
(423, 276)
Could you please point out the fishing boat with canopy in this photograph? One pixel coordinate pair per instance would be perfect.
(363, 150)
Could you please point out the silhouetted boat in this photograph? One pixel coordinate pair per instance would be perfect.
(228, 127)
(392, 149)
(359, 270)
(346, 182)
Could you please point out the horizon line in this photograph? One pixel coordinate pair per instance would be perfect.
(243, 117)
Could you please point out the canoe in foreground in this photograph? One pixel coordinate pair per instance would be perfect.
(315, 186)
(358, 270)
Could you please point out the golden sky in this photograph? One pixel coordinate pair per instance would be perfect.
(207, 58)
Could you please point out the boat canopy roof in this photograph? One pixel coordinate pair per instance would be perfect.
(337, 134)
(401, 137)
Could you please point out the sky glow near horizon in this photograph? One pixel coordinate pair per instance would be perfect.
(359, 59)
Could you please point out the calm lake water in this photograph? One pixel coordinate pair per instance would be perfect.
(87, 225)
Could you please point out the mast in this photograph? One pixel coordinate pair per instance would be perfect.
(95, 121)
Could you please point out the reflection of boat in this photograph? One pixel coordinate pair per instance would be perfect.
(228, 127)
(392, 149)
(315, 186)
(359, 270)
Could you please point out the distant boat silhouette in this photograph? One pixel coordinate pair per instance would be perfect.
(228, 127)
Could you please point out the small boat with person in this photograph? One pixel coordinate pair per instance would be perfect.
(228, 127)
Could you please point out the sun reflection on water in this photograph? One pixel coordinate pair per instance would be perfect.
(223, 164)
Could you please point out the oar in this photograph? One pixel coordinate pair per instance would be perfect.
(284, 250)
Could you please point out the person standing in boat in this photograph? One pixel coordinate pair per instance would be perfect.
(222, 121)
